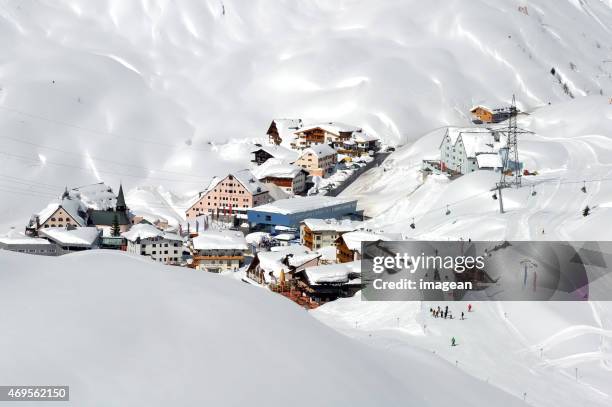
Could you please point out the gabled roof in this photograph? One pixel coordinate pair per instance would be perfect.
(341, 273)
(319, 225)
(363, 137)
(273, 261)
(245, 178)
(279, 152)
(474, 108)
(277, 169)
(73, 206)
(286, 129)
(331, 127)
(219, 240)
(489, 160)
(17, 238)
(147, 231)
(319, 150)
(249, 181)
(453, 133)
(479, 143)
(353, 239)
(80, 237)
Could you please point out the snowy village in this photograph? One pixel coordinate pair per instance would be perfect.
(280, 223)
(316, 203)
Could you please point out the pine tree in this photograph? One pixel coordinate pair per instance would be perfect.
(115, 231)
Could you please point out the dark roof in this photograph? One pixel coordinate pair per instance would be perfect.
(106, 218)
(120, 205)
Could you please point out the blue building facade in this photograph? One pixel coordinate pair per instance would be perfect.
(265, 217)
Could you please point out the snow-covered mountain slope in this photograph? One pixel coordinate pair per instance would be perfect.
(571, 143)
(126, 331)
(148, 92)
(535, 348)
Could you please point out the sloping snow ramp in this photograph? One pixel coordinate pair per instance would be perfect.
(124, 331)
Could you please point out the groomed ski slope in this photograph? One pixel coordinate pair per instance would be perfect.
(125, 331)
(520, 347)
(571, 143)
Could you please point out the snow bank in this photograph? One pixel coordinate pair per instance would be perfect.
(123, 331)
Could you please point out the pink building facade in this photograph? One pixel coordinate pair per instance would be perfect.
(233, 194)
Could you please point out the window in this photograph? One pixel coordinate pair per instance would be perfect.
(268, 218)
(60, 219)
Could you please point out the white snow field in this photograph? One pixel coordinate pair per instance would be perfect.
(168, 93)
(124, 331)
(572, 142)
(521, 347)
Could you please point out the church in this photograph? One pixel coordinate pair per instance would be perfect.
(104, 219)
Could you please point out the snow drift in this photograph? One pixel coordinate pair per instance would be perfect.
(125, 331)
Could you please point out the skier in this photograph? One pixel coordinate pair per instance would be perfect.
(462, 315)
(453, 343)
(445, 312)
(469, 307)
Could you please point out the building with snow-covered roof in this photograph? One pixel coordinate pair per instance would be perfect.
(290, 212)
(282, 131)
(18, 242)
(267, 267)
(290, 178)
(145, 239)
(218, 251)
(68, 211)
(330, 133)
(73, 239)
(263, 153)
(365, 142)
(318, 233)
(349, 244)
(319, 160)
(231, 195)
(483, 114)
(460, 148)
(106, 219)
(328, 282)
(489, 161)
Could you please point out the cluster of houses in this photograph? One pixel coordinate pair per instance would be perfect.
(308, 253)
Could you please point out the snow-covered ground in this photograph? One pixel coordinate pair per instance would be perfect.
(170, 93)
(521, 347)
(162, 96)
(123, 331)
(571, 143)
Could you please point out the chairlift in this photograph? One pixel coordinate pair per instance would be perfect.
(533, 191)
(494, 196)
(447, 210)
(583, 189)
(412, 225)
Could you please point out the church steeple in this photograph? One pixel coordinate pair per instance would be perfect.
(120, 206)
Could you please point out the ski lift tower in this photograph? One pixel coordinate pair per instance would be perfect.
(510, 177)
